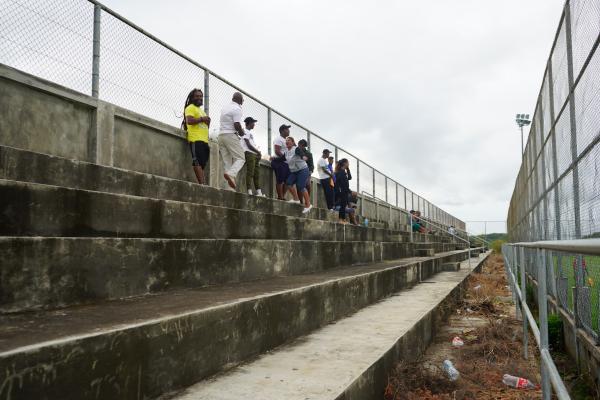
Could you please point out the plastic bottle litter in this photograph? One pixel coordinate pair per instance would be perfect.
(476, 288)
(452, 372)
(516, 382)
(457, 342)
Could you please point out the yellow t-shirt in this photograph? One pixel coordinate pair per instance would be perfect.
(197, 132)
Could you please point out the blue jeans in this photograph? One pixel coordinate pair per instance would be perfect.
(299, 178)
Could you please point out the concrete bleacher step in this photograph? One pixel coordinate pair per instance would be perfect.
(348, 360)
(27, 166)
(147, 346)
(35, 209)
(49, 272)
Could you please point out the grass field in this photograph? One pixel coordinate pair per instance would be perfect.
(566, 264)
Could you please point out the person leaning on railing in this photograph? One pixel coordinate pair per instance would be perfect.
(278, 162)
(230, 133)
(195, 123)
(253, 157)
(342, 186)
(299, 173)
(303, 145)
(326, 178)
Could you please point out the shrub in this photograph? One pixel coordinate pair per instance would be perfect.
(555, 332)
(497, 245)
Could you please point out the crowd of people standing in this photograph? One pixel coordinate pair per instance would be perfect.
(292, 162)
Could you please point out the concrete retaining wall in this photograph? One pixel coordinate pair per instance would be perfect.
(77, 126)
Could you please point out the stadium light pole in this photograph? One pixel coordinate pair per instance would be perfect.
(522, 120)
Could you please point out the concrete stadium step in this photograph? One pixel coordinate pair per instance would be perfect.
(348, 360)
(28, 166)
(144, 347)
(32, 209)
(50, 272)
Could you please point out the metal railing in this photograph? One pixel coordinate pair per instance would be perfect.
(556, 190)
(88, 47)
(517, 268)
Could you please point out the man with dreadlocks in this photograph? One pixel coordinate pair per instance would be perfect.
(196, 123)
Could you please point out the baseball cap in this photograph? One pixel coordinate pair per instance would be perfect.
(284, 126)
(249, 119)
(326, 151)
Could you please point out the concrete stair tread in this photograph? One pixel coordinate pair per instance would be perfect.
(335, 359)
(31, 328)
(36, 209)
(54, 170)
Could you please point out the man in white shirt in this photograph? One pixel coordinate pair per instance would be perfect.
(230, 133)
(278, 162)
(326, 178)
(253, 156)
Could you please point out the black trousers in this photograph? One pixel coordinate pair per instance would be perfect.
(328, 190)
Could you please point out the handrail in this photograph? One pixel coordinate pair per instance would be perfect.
(583, 246)
(121, 18)
(550, 373)
(442, 229)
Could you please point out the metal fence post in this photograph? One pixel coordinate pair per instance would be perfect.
(373, 171)
(386, 189)
(308, 140)
(571, 99)
(524, 317)
(557, 234)
(543, 309)
(523, 272)
(206, 91)
(358, 177)
(96, 52)
(269, 134)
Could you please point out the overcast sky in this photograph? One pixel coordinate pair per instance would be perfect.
(424, 91)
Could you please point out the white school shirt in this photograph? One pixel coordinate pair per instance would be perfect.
(322, 163)
(279, 141)
(248, 135)
(230, 114)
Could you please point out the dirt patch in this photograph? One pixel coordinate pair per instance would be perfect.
(485, 321)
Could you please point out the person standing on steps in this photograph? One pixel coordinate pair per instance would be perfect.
(253, 157)
(278, 162)
(303, 144)
(326, 177)
(230, 133)
(299, 173)
(342, 186)
(195, 123)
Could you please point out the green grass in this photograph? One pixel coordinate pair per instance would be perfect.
(591, 280)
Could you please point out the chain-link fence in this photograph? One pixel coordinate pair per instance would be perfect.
(557, 191)
(85, 46)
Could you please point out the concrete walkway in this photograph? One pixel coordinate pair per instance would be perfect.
(324, 364)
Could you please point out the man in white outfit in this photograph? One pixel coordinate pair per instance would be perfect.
(230, 133)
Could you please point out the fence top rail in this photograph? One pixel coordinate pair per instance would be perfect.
(209, 71)
(581, 246)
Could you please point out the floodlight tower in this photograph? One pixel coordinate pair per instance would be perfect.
(522, 120)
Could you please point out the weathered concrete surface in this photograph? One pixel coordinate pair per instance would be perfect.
(26, 166)
(87, 129)
(347, 360)
(55, 272)
(62, 129)
(44, 210)
(148, 346)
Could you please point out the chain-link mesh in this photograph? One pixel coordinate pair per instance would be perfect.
(55, 41)
(52, 40)
(557, 191)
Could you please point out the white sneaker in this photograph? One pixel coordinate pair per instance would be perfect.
(332, 210)
(294, 201)
(306, 210)
(259, 193)
(250, 192)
